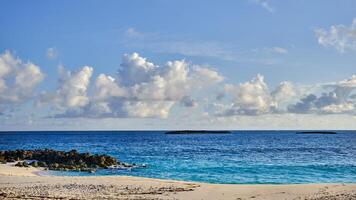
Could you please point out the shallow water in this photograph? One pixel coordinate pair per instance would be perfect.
(241, 157)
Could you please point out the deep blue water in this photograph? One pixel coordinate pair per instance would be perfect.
(241, 157)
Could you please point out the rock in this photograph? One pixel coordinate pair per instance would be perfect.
(25, 164)
(62, 160)
(34, 164)
(19, 164)
(42, 164)
(2, 158)
(22, 164)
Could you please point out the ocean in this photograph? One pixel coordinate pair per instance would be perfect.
(243, 157)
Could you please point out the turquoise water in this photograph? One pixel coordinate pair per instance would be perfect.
(242, 157)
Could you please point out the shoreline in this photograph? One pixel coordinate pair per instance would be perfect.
(27, 183)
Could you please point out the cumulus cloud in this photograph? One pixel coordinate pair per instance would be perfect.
(72, 91)
(151, 90)
(338, 100)
(105, 87)
(254, 97)
(284, 92)
(340, 37)
(202, 76)
(326, 103)
(251, 98)
(139, 89)
(17, 79)
(74, 86)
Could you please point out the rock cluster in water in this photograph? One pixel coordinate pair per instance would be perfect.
(62, 160)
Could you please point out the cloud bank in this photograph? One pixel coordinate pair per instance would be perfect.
(255, 98)
(139, 89)
(341, 99)
(143, 89)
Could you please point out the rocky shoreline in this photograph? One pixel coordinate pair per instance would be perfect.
(50, 159)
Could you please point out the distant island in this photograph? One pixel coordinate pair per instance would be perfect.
(198, 132)
(316, 132)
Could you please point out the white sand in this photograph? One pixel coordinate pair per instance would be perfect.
(23, 183)
(9, 170)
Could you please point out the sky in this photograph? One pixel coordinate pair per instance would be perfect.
(167, 64)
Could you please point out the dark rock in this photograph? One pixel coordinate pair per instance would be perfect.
(34, 164)
(22, 164)
(42, 164)
(19, 164)
(2, 158)
(62, 160)
(25, 164)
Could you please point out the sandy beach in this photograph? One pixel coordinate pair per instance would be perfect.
(25, 183)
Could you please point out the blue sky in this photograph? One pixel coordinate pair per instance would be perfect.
(309, 44)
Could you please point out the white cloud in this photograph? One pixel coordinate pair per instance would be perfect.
(135, 69)
(51, 53)
(265, 4)
(254, 98)
(348, 83)
(284, 92)
(340, 37)
(338, 100)
(17, 79)
(139, 89)
(142, 89)
(327, 103)
(105, 87)
(339, 108)
(147, 109)
(203, 76)
(72, 91)
(153, 89)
